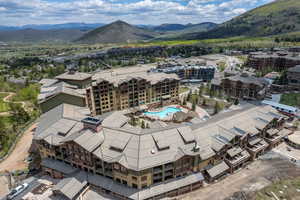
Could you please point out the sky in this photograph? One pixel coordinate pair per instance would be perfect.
(21, 12)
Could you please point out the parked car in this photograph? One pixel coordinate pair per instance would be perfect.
(16, 191)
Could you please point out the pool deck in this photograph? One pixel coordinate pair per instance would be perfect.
(169, 117)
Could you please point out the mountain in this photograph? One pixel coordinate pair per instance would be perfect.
(81, 26)
(117, 32)
(35, 36)
(278, 17)
(169, 27)
(185, 28)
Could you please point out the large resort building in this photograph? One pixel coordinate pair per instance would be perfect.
(109, 155)
(131, 87)
(109, 90)
(99, 154)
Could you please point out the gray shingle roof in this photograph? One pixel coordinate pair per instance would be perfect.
(76, 76)
(58, 166)
(70, 187)
(139, 149)
(218, 169)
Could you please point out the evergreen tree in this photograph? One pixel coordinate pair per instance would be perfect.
(193, 106)
(204, 102)
(236, 101)
(143, 125)
(217, 108)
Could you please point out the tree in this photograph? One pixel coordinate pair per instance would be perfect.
(147, 125)
(193, 106)
(217, 108)
(132, 121)
(143, 125)
(2, 131)
(184, 102)
(189, 95)
(201, 90)
(20, 115)
(236, 101)
(204, 102)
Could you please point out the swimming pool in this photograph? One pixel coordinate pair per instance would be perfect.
(164, 113)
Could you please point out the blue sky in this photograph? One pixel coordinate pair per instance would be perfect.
(21, 12)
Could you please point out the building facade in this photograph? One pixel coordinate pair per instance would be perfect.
(293, 76)
(278, 61)
(113, 91)
(242, 86)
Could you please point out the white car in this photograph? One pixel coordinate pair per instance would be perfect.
(16, 191)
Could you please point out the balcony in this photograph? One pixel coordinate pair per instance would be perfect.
(157, 176)
(157, 170)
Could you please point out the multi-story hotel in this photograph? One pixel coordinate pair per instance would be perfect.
(242, 86)
(130, 87)
(109, 90)
(278, 61)
(105, 153)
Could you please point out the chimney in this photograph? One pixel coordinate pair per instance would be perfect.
(92, 123)
(196, 148)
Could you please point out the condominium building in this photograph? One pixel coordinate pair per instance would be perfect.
(278, 61)
(131, 87)
(293, 76)
(203, 73)
(242, 86)
(187, 69)
(127, 162)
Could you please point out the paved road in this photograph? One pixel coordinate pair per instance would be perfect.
(32, 182)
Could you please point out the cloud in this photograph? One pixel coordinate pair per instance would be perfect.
(19, 12)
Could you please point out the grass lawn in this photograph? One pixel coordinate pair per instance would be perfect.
(4, 107)
(292, 99)
(286, 189)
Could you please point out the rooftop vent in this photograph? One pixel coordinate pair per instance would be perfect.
(92, 123)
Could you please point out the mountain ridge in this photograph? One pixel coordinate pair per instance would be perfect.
(278, 17)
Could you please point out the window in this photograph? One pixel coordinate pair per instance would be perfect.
(144, 186)
(144, 178)
(134, 178)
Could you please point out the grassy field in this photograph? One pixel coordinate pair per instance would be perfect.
(292, 99)
(286, 189)
(4, 107)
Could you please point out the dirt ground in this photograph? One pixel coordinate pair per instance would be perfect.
(15, 161)
(255, 176)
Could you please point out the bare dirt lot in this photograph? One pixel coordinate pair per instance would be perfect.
(15, 160)
(255, 176)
